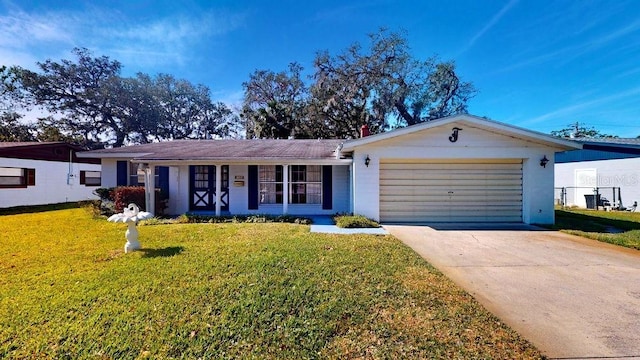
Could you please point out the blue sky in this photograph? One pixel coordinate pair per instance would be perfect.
(537, 64)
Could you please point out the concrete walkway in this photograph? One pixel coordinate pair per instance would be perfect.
(324, 224)
(572, 297)
(333, 229)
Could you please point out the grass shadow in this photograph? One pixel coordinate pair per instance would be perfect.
(30, 209)
(566, 220)
(164, 252)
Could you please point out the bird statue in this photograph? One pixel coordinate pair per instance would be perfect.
(130, 216)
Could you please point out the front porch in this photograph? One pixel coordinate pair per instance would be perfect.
(244, 189)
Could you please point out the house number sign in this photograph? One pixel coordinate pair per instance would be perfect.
(454, 134)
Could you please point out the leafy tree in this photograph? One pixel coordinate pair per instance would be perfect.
(384, 83)
(12, 130)
(187, 112)
(382, 86)
(94, 104)
(220, 121)
(274, 103)
(84, 92)
(11, 96)
(138, 103)
(47, 129)
(577, 131)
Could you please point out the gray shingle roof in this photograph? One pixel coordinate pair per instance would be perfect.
(263, 149)
(612, 141)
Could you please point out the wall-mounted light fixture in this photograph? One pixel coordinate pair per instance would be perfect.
(367, 161)
(544, 161)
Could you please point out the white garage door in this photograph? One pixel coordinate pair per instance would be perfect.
(451, 191)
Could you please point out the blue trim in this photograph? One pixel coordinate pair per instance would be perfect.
(252, 182)
(163, 179)
(122, 168)
(327, 187)
(590, 155)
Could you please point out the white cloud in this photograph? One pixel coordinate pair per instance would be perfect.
(19, 29)
(576, 109)
(165, 41)
(569, 53)
(494, 20)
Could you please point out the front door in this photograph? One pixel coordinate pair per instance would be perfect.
(202, 189)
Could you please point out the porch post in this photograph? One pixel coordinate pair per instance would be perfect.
(150, 188)
(285, 189)
(218, 189)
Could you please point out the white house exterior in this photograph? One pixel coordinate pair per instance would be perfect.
(456, 169)
(45, 173)
(608, 167)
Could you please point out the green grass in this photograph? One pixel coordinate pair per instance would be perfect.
(67, 290)
(615, 227)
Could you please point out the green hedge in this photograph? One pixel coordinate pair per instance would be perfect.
(354, 221)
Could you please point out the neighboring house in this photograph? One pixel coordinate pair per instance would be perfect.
(38, 173)
(456, 169)
(610, 166)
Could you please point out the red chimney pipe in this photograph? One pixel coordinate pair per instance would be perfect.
(364, 131)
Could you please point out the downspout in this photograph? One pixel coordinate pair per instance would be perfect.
(70, 173)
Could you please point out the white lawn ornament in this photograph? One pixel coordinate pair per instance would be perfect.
(130, 216)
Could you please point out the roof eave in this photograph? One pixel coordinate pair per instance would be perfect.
(113, 155)
(245, 161)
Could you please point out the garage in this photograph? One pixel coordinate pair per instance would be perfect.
(451, 190)
(459, 169)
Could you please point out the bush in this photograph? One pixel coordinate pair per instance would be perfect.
(354, 221)
(125, 195)
(212, 219)
(248, 219)
(105, 194)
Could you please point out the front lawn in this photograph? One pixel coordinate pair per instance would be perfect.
(615, 227)
(67, 290)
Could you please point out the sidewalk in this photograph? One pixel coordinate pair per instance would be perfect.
(324, 224)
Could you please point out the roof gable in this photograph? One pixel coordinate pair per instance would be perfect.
(461, 121)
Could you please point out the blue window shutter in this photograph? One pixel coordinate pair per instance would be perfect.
(327, 187)
(253, 187)
(163, 179)
(121, 173)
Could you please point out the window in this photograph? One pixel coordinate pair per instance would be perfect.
(306, 184)
(17, 177)
(90, 178)
(270, 179)
(136, 177)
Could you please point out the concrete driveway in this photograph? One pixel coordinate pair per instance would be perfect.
(571, 297)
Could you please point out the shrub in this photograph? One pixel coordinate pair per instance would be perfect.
(212, 219)
(354, 221)
(105, 194)
(125, 195)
